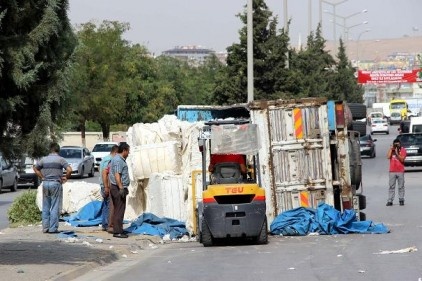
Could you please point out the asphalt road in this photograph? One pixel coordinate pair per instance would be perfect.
(333, 257)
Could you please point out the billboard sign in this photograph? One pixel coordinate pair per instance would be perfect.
(389, 76)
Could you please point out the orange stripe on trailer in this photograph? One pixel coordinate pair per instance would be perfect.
(304, 199)
(297, 117)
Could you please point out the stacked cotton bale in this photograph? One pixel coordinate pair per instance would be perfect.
(162, 158)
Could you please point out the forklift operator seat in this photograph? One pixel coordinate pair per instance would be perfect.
(227, 172)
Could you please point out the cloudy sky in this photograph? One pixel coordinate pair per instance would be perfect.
(163, 24)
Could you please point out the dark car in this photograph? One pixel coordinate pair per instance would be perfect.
(8, 174)
(367, 146)
(412, 142)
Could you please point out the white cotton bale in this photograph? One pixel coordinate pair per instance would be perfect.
(75, 195)
(154, 158)
(166, 196)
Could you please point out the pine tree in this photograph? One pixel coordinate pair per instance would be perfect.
(269, 60)
(36, 43)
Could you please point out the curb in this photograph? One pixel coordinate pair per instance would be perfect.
(83, 269)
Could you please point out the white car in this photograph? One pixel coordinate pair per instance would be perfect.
(101, 150)
(380, 126)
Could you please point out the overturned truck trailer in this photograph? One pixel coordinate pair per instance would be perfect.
(307, 155)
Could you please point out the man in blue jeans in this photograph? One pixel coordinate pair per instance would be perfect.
(107, 205)
(50, 170)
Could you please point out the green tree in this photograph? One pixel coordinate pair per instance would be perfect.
(313, 65)
(343, 85)
(36, 42)
(99, 76)
(269, 60)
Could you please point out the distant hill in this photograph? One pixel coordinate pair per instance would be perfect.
(379, 49)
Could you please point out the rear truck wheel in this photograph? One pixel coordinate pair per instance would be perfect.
(91, 173)
(355, 163)
(358, 110)
(206, 236)
(263, 234)
(362, 216)
(362, 201)
(14, 186)
(360, 127)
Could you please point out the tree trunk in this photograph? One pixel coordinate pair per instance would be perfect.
(83, 130)
(106, 131)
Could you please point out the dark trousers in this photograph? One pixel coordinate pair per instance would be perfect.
(119, 204)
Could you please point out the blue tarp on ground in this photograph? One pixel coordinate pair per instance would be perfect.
(88, 215)
(150, 224)
(323, 220)
(147, 223)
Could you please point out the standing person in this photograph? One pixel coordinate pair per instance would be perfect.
(119, 183)
(107, 205)
(396, 154)
(50, 170)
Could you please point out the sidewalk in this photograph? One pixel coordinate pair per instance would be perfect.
(28, 254)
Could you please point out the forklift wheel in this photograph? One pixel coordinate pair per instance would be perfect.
(206, 237)
(263, 235)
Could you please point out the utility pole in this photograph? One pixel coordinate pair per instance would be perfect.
(250, 50)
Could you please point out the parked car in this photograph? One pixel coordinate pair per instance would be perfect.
(101, 150)
(26, 172)
(379, 126)
(80, 159)
(412, 142)
(367, 146)
(8, 174)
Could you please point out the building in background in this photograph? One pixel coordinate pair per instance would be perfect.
(193, 54)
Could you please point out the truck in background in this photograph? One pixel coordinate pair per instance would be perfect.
(399, 106)
(384, 107)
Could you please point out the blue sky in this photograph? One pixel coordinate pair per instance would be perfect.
(163, 24)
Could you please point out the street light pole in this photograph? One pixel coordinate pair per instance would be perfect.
(345, 18)
(334, 17)
(250, 50)
(357, 45)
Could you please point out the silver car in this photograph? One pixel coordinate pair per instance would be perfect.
(8, 174)
(80, 159)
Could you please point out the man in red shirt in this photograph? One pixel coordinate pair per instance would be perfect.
(223, 158)
(396, 154)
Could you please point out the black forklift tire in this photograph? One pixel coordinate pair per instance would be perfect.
(263, 234)
(206, 237)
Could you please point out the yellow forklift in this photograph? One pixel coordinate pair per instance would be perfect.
(233, 204)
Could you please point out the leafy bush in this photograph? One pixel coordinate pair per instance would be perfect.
(24, 209)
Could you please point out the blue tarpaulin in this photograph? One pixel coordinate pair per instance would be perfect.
(150, 224)
(147, 223)
(323, 220)
(88, 215)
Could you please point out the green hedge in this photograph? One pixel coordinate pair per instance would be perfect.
(24, 210)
